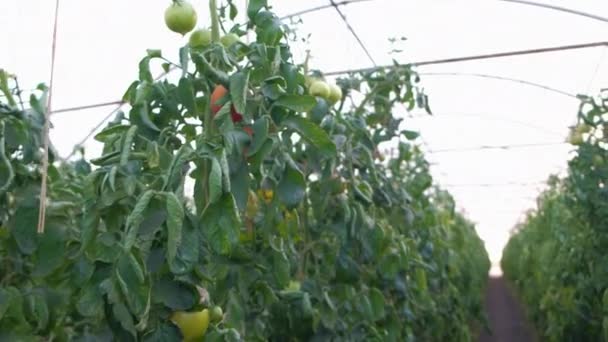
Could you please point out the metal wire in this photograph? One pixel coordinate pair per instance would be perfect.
(502, 78)
(318, 8)
(475, 57)
(499, 147)
(352, 31)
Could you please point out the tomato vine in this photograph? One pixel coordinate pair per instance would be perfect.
(285, 217)
(557, 257)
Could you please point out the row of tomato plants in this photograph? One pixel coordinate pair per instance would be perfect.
(241, 202)
(557, 258)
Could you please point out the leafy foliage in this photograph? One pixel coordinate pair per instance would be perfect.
(285, 215)
(557, 257)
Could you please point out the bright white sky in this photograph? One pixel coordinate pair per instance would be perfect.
(100, 43)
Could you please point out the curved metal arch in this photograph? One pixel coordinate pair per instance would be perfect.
(559, 8)
(501, 78)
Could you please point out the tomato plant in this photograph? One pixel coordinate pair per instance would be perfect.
(557, 257)
(283, 223)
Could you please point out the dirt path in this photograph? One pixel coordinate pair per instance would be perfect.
(505, 315)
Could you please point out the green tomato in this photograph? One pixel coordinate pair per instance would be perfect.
(200, 38)
(576, 138)
(229, 40)
(335, 94)
(217, 314)
(294, 286)
(598, 161)
(193, 325)
(583, 128)
(319, 88)
(181, 17)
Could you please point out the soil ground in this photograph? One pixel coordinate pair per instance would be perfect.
(505, 315)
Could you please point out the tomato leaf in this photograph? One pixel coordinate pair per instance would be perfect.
(174, 294)
(39, 308)
(90, 303)
(297, 103)
(123, 316)
(134, 291)
(281, 267)
(312, 133)
(292, 187)
(215, 181)
(23, 228)
(222, 224)
(410, 135)
(136, 217)
(185, 92)
(260, 135)
(175, 221)
(254, 7)
(50, 253)
(126, 147)
(239, 83)
(378, 303)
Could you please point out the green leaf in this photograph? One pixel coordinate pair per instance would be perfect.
(225, 170)
(233, 11)
(166, 332)
(23, 228)
(239, 180)
(239, 83)
(144, 70)
(222, 224)
(215, 181)
(50, 253)
(281, 268)
(122, 315)
(260, 135)
(235, 313)
(134, 291)
(254, 7)
(129, 95)
(292, 187)
(312, 133)
(185, 91)
(188, 252)
(410, 135)
(154, 53)
(126, 147)
(174, 294)
(421, 281)
(297, 103)
(39, 308)
(377, 302)
(5, 301)
(136, 217)
(110, 132)
(90, 303)
(175, 221)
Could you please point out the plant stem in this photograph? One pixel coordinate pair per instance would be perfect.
(215, 21)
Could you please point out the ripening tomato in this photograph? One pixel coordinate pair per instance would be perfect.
(319, 88)
(200, 38)
(229, 39)
(335, 94)
(219, 92)
(193, 325)
(236, 116)
(180, 17)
